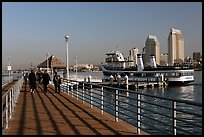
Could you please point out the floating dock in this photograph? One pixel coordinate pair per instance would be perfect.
(136, 85)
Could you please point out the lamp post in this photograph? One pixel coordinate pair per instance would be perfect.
(66, 39)
(47, 61)
(76, 66)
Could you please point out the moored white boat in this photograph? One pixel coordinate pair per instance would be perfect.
(115, 65)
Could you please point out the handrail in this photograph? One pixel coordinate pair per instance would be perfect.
(166, 115)
(9, 100)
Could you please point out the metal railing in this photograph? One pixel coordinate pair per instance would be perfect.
(150, 113)
(9, 100)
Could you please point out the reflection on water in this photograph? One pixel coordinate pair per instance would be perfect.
(190, 92)
(186, 93)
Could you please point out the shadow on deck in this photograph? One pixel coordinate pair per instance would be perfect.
(51, 113)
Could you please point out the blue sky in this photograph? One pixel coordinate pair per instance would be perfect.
(30, 30)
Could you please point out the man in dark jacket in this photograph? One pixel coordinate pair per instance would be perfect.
(46, 80)
(57, 82)
(32, 81)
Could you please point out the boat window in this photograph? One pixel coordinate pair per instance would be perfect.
(131, 74)
(137, 74)
(187, 74)
(172, 74)
(150, 74)
(178, 74)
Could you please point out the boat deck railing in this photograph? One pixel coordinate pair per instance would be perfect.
(149, 113)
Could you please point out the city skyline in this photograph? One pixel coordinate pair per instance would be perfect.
(31, 30)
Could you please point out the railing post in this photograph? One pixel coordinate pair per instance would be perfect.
(7, 111)
(101, 100)
(72, 90)
(67, 87)
(174, 117)
(83, 92)
(15, 94)
(91, 96)
(13, 98)
(138, 113)
(116, 106)
(10, 103)
(77, 89)
(2, 112)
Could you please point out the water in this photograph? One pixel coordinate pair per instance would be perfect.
(191, 92)
(14, 76)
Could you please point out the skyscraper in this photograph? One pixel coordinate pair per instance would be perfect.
(175, 47)
(152, 47)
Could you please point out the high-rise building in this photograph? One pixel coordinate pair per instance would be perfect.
(175, 47)
(152, 47)
(133, 56)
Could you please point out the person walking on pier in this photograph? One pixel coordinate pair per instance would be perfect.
(46, 80)
(26, 78)
(57, 82)
(39, 76)
(32, 81)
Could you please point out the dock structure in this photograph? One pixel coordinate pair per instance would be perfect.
(136, 85)
(51, 113)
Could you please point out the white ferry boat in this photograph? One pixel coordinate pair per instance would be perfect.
(115, 65)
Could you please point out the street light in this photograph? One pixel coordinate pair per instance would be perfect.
(66, 39)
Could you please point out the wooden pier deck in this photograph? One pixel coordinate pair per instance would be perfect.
(51, 113)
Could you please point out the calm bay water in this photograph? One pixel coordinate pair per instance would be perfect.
(191, 92)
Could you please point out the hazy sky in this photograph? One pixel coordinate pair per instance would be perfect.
(31, 30)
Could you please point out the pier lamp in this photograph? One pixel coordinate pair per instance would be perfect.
(66, 39)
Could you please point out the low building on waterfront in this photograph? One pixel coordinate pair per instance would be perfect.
(51, 64)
